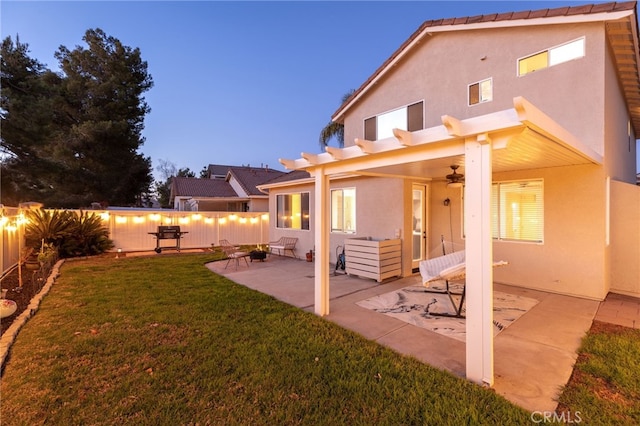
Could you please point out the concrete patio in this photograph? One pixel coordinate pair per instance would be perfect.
(533, 357)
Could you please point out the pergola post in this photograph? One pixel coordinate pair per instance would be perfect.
(322, 215)
(479, 260)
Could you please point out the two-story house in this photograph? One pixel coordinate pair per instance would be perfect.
(512, 135)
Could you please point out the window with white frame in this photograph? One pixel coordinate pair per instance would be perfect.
(293, 210)
(550, 57)
(381, 126)
(343, 210)
(480, 92)
(517, 211)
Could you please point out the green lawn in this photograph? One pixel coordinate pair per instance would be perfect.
(162, 340)
(605, 385)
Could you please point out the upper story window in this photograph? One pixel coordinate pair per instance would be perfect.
(517, 211)
(480, 92)
(343, 210)
(553, 56)
(293, 210)
(409, 118)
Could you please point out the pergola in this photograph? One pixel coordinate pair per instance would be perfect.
(522, 137)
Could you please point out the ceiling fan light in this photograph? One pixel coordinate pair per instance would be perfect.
(455, 179)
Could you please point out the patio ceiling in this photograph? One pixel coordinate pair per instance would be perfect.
(522, 137)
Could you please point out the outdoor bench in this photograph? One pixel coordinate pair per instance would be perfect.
(284, 244)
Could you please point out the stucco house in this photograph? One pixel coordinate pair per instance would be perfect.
(538, 110)
(226, 188)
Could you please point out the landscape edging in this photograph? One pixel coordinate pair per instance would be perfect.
(10, 334)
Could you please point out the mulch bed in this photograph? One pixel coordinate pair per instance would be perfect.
(32, 283)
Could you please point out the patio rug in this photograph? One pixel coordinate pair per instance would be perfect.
(413, 305)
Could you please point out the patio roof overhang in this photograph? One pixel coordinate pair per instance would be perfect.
(522, 137)
(519, 138)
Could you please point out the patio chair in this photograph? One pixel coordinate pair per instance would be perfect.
(448, 268)
(233, 252)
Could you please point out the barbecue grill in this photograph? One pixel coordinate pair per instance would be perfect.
(168, 232)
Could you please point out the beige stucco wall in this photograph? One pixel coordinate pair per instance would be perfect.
(305, 237)
(625, 238)
(443, 65)
(259, 204)
(446, 221)
(379, 212)
(571, 260)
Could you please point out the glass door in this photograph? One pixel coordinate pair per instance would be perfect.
(419, 231)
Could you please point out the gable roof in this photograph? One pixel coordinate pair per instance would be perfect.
(247, 177)
(218, 169)
(200, 187)
(250, 177)
(623, 37)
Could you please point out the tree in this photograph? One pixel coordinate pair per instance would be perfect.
(27, 113)
(72, 139)
(168, 171)
(104, 110)
(334, 129)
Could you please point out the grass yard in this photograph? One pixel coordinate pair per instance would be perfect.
(162, 340)
(605, 386)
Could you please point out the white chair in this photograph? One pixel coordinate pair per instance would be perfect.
(233, 253)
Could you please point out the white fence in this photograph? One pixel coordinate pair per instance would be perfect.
(11, 237)
(130, 229)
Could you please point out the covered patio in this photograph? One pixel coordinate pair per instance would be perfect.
(519, 138)
(532, 363)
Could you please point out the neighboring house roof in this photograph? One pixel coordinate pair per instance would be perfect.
(250, 177)
(622, 39)
(219, 170)
(197, 187)
(291, 176)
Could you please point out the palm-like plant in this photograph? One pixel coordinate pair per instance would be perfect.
(334, 129)
(48, 226)
(88, 236)
(66, 232)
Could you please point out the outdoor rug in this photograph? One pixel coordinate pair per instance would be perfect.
(414, 305)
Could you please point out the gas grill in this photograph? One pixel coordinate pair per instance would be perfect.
(168, 232)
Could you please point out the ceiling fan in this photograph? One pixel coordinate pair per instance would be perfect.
(455, 179)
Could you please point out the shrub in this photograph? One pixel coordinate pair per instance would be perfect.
(87, 237)
(68, 233)
(50, 227)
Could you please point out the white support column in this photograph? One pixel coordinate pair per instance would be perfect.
(322, 216)
(479, 260)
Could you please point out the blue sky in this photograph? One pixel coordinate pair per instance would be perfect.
(241, 82)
